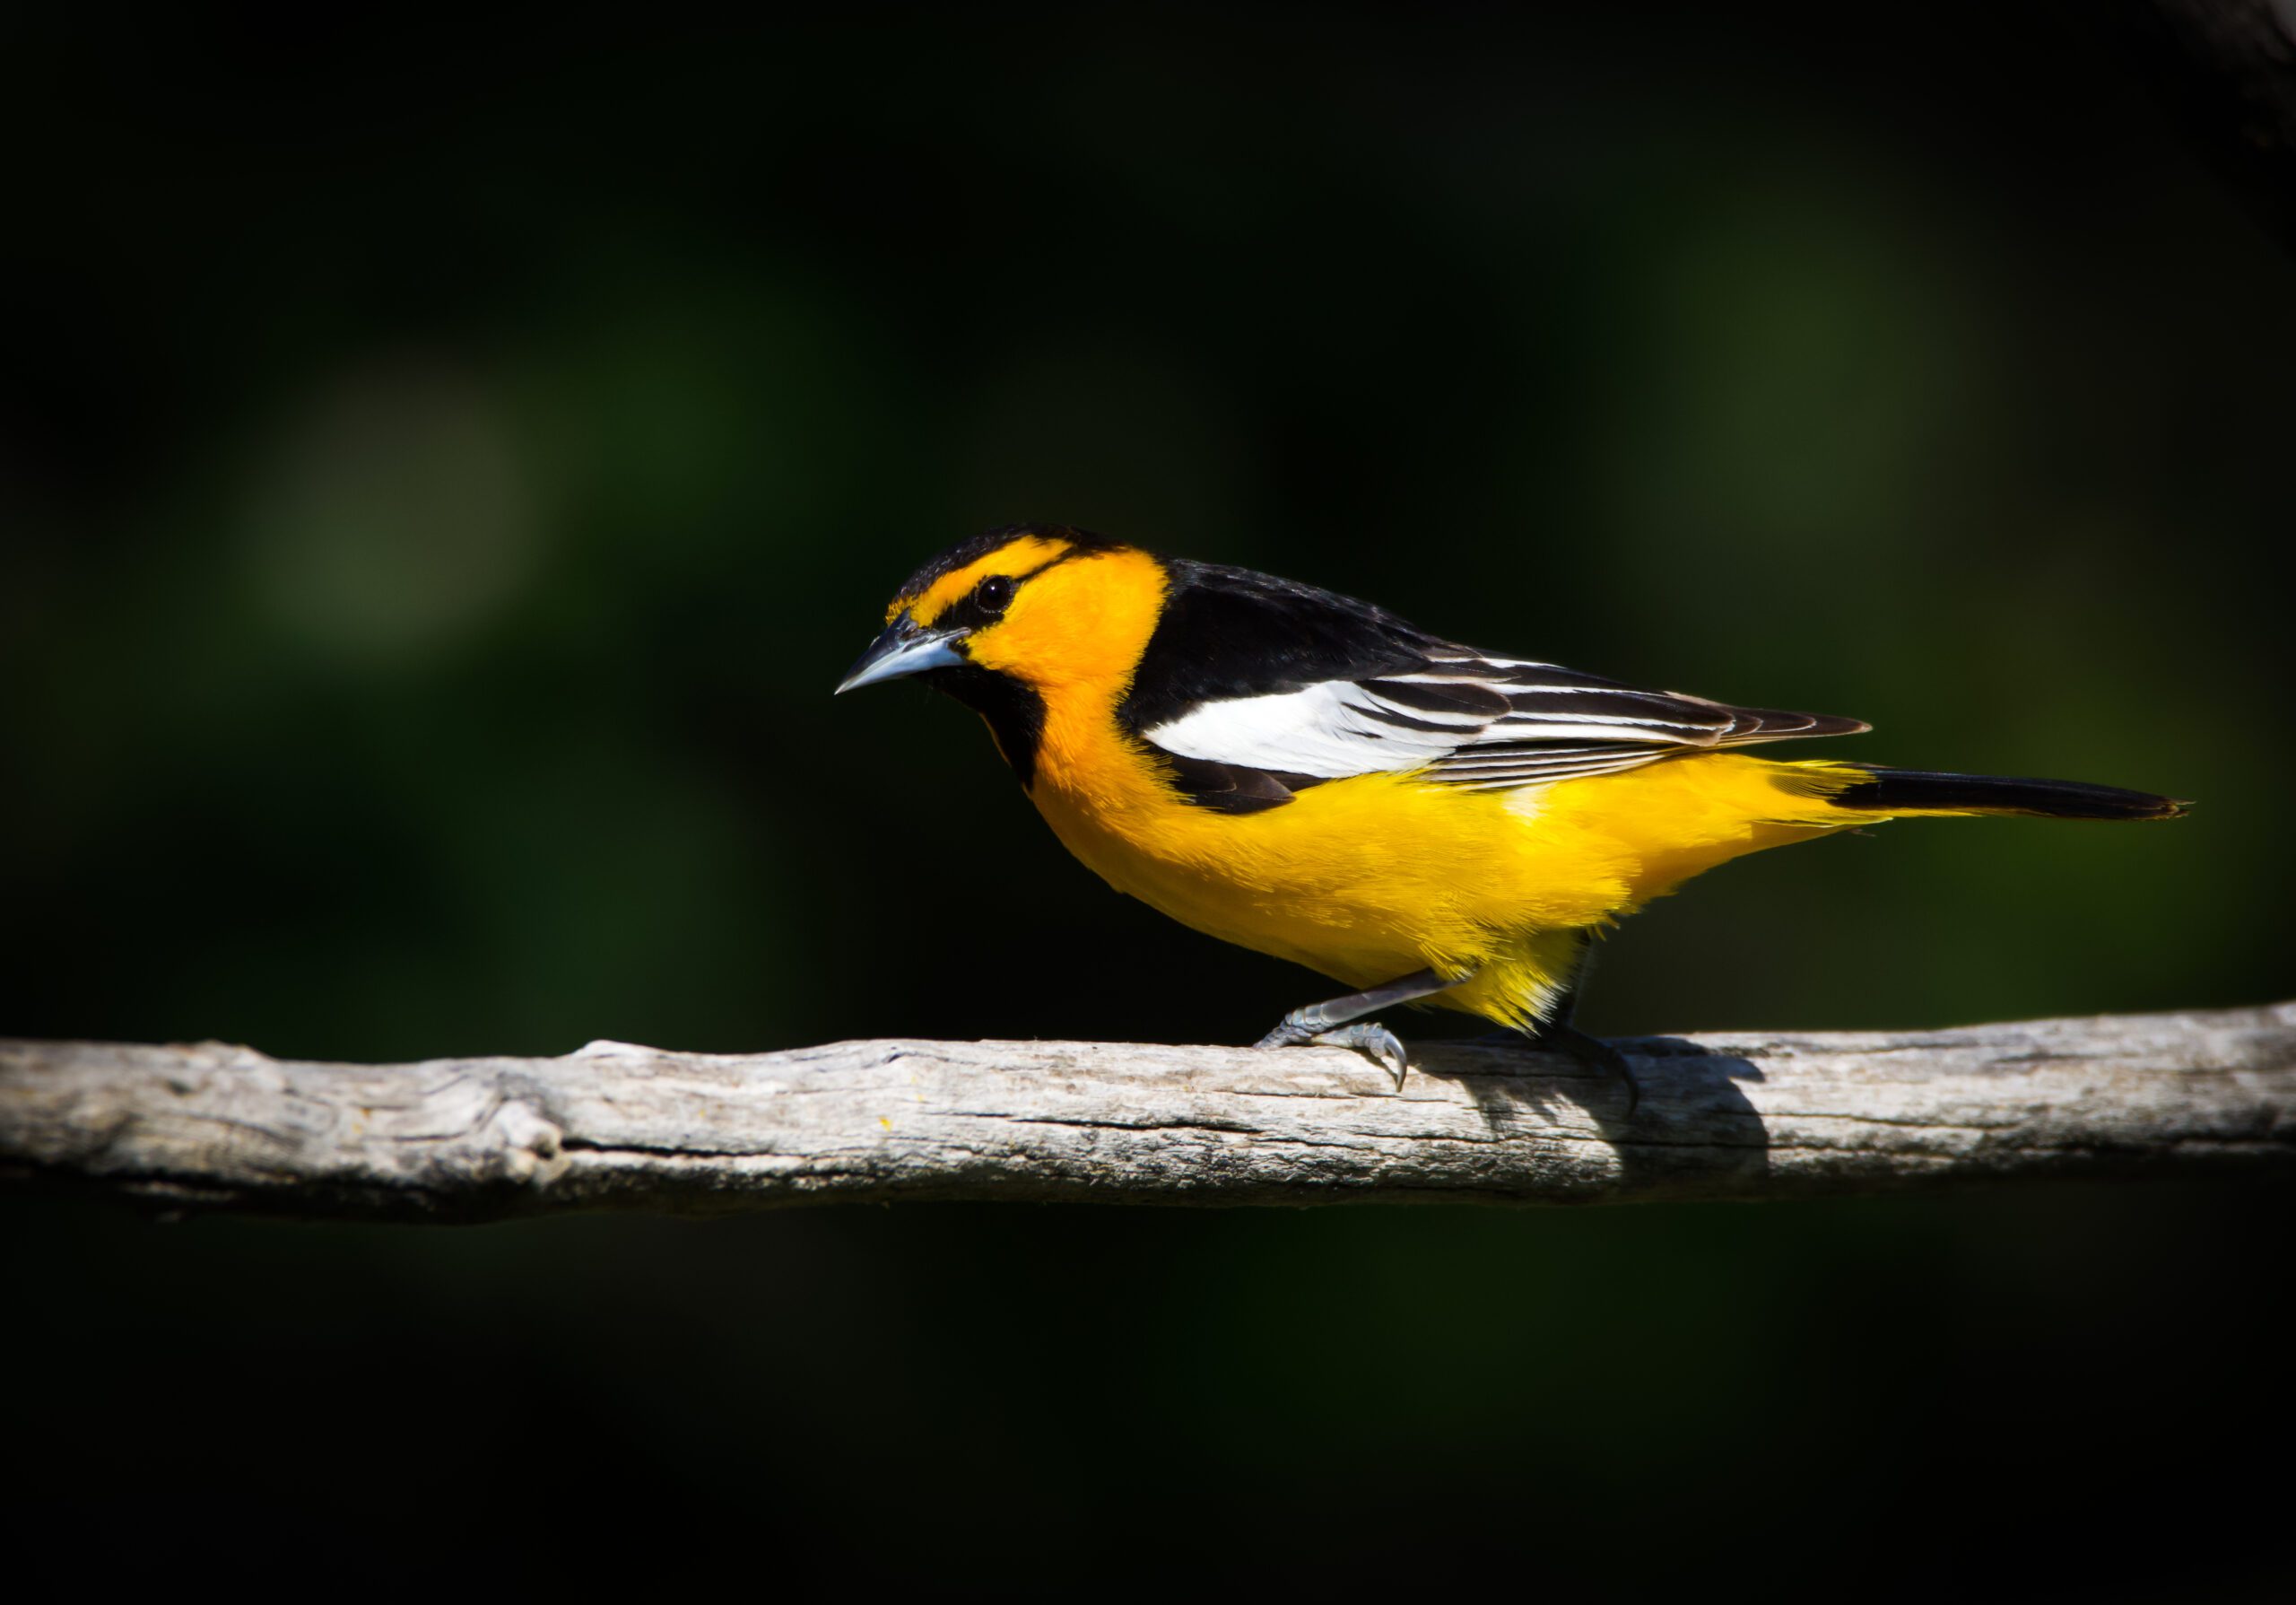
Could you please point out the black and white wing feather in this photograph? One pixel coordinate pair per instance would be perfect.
(1257, 687)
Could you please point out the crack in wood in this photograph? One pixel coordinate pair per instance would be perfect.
(212, 1126)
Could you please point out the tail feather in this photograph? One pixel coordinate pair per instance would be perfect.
(1921, 791)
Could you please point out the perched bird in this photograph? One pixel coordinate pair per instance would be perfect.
(1310, 776)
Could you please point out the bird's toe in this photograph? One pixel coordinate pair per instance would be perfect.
(1376, 1043)
(1289, 1032)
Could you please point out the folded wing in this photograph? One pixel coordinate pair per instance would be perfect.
(1259, 677)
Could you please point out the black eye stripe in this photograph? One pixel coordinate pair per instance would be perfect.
(986, 601)
(965, 554)
(971, 611)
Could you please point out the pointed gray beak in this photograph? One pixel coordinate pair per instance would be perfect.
(903, 649)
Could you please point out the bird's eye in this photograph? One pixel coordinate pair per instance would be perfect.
(993, 593)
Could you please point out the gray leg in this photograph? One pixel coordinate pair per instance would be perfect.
(1327, 1024)
(1557, 1032)
(1593, 1053)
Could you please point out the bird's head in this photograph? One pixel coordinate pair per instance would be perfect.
(1038, 603)
(1008, 619)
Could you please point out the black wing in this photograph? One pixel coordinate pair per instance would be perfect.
(1257, 687)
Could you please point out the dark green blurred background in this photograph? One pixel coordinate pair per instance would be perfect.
(444, 468)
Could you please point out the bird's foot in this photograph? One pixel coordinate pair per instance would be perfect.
(1594, 1054)
(1375, 1042)
(1662, 1047)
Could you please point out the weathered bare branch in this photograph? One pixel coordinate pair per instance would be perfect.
(1753, 1116)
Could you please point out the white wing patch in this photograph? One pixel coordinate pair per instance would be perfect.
(1326, 729)
(1481, 723)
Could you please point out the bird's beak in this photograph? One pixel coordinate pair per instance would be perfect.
(904, 649)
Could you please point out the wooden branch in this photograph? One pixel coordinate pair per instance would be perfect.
(1760, 1115)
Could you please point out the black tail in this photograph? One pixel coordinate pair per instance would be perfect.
(1918, 791)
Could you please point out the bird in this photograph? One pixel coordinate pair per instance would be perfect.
(1313, 777)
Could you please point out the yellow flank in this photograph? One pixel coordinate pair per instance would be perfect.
(1374, 877)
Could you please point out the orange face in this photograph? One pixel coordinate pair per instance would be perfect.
(1045, 607)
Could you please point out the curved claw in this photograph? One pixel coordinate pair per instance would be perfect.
(1375, 1042)
(1594, 1054)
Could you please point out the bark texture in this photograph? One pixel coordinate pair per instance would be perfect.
(1760, 1116)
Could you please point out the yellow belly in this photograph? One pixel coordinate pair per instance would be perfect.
(1372, 877)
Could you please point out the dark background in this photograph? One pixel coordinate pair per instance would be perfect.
(444, 467)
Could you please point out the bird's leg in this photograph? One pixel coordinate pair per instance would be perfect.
(1557, 1033)
(1327, 1024)
(1593, 1053)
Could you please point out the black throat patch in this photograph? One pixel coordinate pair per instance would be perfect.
(1014, 712)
